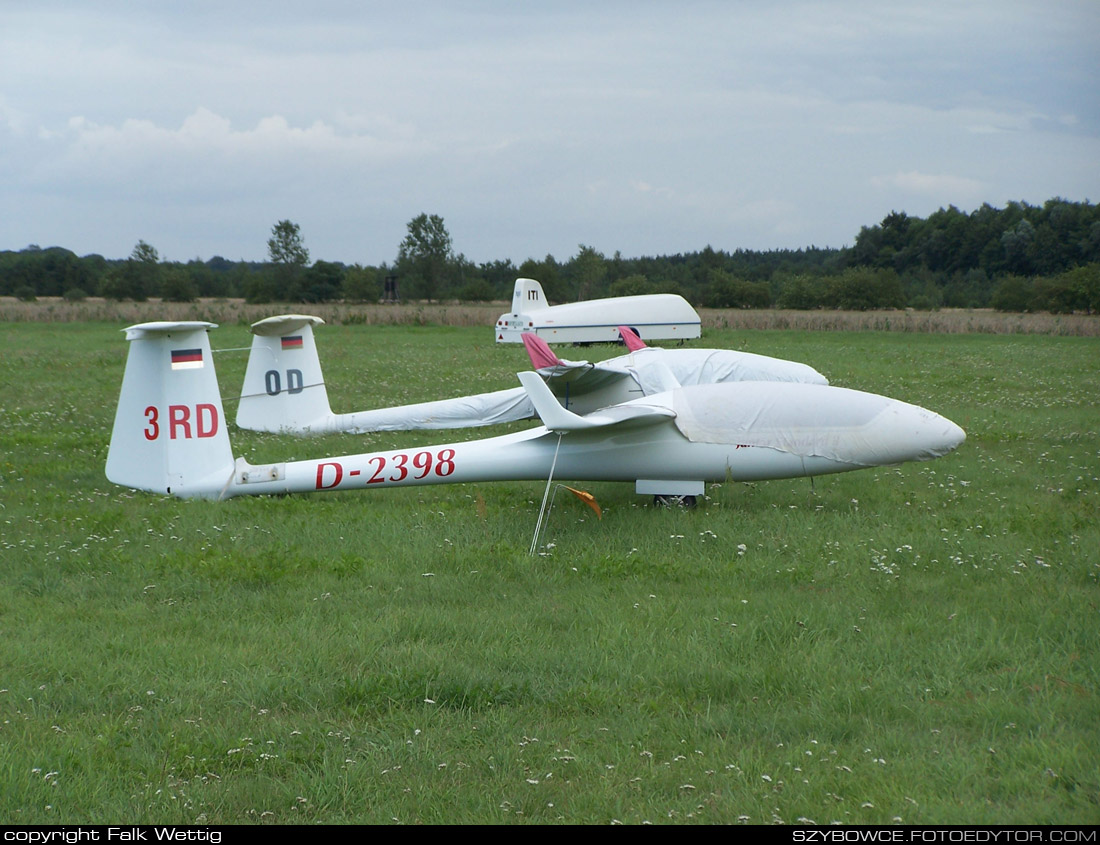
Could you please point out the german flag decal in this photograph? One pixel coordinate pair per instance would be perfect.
(292, 342)
(186, 359)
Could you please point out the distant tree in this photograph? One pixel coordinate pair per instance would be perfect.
(94, 268)
(501, 277)
(205, 280)
(1085, 281)
(136, 278)
(1057, 295)
(547, 273)
(361, 284)
(425, 255)
(634, 285)
(289, 258)
(1017, 246)
(801, 293)
(863, 289)
(1013, 293)
(727, 291)
(321, 282)
(259, 286)
(922, 293)
(48, 272)
(285, 246)
(145, 253)
(588, 269)
(177, 285)
(122, 281)
(143, 272)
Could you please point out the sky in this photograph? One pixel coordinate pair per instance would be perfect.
(642, 127)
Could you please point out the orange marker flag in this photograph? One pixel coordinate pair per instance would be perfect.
(588, 499)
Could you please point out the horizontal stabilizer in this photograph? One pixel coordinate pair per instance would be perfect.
(284, 324)
(164, 328)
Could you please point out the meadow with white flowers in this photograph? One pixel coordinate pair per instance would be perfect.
(918, 644)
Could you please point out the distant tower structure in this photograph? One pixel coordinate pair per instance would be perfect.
(389, 291)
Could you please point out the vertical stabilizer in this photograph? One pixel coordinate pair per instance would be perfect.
(284, 389)
(170, 432)
(528, 296)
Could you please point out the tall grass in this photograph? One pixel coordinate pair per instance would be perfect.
(465, 314)
(916, 643)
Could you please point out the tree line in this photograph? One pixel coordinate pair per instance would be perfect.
(1017, 258)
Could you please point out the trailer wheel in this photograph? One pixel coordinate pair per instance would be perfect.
(673, 501)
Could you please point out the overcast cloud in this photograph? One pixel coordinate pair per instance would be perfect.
(644, 127)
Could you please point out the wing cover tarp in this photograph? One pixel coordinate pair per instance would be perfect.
(480, 409)
(809, 420)
(716, 366)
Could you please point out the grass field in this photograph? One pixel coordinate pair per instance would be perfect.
(916, 644)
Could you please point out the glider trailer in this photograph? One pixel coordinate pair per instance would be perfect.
(657, 316)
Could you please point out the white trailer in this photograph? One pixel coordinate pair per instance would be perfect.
(658, 316)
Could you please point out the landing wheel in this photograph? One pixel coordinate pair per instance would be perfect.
(672, 501)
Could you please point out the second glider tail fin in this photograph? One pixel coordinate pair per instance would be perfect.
(284, 390)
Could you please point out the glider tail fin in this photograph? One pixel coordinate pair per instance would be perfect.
(170, 432)
(284, 390)
(528, 296)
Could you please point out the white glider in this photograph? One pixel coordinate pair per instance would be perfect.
(284, 388)
(170, 436)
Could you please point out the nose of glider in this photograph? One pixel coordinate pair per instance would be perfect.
(954, 436)
(911, 433)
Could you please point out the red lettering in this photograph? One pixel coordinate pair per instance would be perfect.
(445, 464)
(206, 413)
(153, 431)
(179, 416)
(423, 462)
(400, 460)
(338, 474)
(381, 464)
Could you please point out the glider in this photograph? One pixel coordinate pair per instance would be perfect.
(170, 435)
(284, 389)
(657, 316)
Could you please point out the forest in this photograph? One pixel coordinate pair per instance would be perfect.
(1018, 258)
